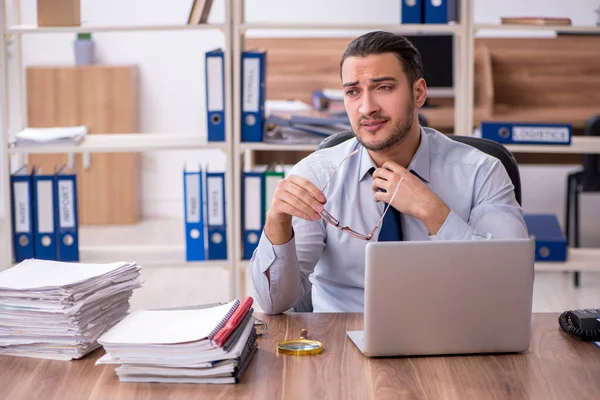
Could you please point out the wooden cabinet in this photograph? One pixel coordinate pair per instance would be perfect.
(104, 99)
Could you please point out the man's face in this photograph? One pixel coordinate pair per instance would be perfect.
(378, 100)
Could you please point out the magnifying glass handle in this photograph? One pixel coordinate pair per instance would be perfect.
(303, 334)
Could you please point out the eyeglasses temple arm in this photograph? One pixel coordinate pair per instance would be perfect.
(338, 167)
(388, 206)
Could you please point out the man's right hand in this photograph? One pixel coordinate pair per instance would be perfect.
(294, 197)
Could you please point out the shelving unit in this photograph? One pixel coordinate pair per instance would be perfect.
(34, 29)
(464, 31)
(113, 143)
(559, 28)
(171, 253)
(579, 145)
(432, 28)
(277, 147)
(463, 67)
(234, 30)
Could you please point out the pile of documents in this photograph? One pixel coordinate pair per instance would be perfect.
(58, 310)
(298, 129)
(206, 345)
(50, 136)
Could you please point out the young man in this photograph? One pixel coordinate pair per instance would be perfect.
(440, 189)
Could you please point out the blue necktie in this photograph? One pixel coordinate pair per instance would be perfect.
(391, 228)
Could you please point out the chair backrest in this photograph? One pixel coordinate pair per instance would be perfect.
(591, 162)
(497, 150)
(487, 146)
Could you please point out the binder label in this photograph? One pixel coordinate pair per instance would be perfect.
(192, 182)
(215, 197)
(22, 217)
(45, 207)
(252, 195)
(251, 83)
(214, 66)
(271, 183)
(541, 134)
(66, 212)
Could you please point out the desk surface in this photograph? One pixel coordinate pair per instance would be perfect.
(556, 366)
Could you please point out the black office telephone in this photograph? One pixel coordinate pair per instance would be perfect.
(582, 323)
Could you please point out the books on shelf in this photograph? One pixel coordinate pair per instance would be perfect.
(526, 133)
(205, 213)
(535, 21)
(45, 222)
(428, 11)
(199, 12)
(258, 188)
(205, 345)
(58, 310)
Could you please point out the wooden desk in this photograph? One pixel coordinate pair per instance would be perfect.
(556, 366)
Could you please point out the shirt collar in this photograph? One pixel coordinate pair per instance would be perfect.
(419, 164)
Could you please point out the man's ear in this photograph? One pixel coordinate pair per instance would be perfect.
(420, 92)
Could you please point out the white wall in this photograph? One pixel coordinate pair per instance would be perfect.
(171, 76)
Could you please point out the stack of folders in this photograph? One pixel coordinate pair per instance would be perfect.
(209, 345)
(50, 136)
(258, 189)
(205, 215)
(57, 310)
(297, 129)
(45, 223)
(428, 11)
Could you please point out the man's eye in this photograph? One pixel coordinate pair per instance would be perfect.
(385, 87)
(350, 92)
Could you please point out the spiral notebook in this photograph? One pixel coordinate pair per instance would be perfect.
(169, 327)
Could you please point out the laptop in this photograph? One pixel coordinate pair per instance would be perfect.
(447, 297)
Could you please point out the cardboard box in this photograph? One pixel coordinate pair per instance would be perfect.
(58, 13)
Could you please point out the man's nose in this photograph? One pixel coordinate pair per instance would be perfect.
(368, 105)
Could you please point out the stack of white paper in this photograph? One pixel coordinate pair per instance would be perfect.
(47, 136)
(57, 310)
(175, 346)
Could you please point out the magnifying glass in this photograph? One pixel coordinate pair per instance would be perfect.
(300, 347)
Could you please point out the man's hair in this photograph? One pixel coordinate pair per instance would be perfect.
(379, 42)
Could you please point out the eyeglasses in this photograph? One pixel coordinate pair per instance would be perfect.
(335, 222)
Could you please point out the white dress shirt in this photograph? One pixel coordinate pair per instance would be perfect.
(474, 185)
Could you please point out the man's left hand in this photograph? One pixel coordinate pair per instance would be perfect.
(412, 198)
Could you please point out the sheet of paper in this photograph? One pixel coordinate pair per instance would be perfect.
(166, 327)
(38, 274)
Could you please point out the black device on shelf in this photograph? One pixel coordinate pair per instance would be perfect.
(437, 55)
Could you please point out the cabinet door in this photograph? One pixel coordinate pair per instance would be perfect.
(104, 99)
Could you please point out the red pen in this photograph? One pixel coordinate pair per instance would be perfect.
(233, 321)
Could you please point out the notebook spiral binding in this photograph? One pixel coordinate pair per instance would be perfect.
(224, 320)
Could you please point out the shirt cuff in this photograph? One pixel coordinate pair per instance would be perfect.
(453, 228)
(268, 252)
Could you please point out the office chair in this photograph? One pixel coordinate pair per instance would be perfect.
(585, 180)
(487, 146)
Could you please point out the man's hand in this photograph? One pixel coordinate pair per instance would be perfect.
(294, 197)
(412, 198)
